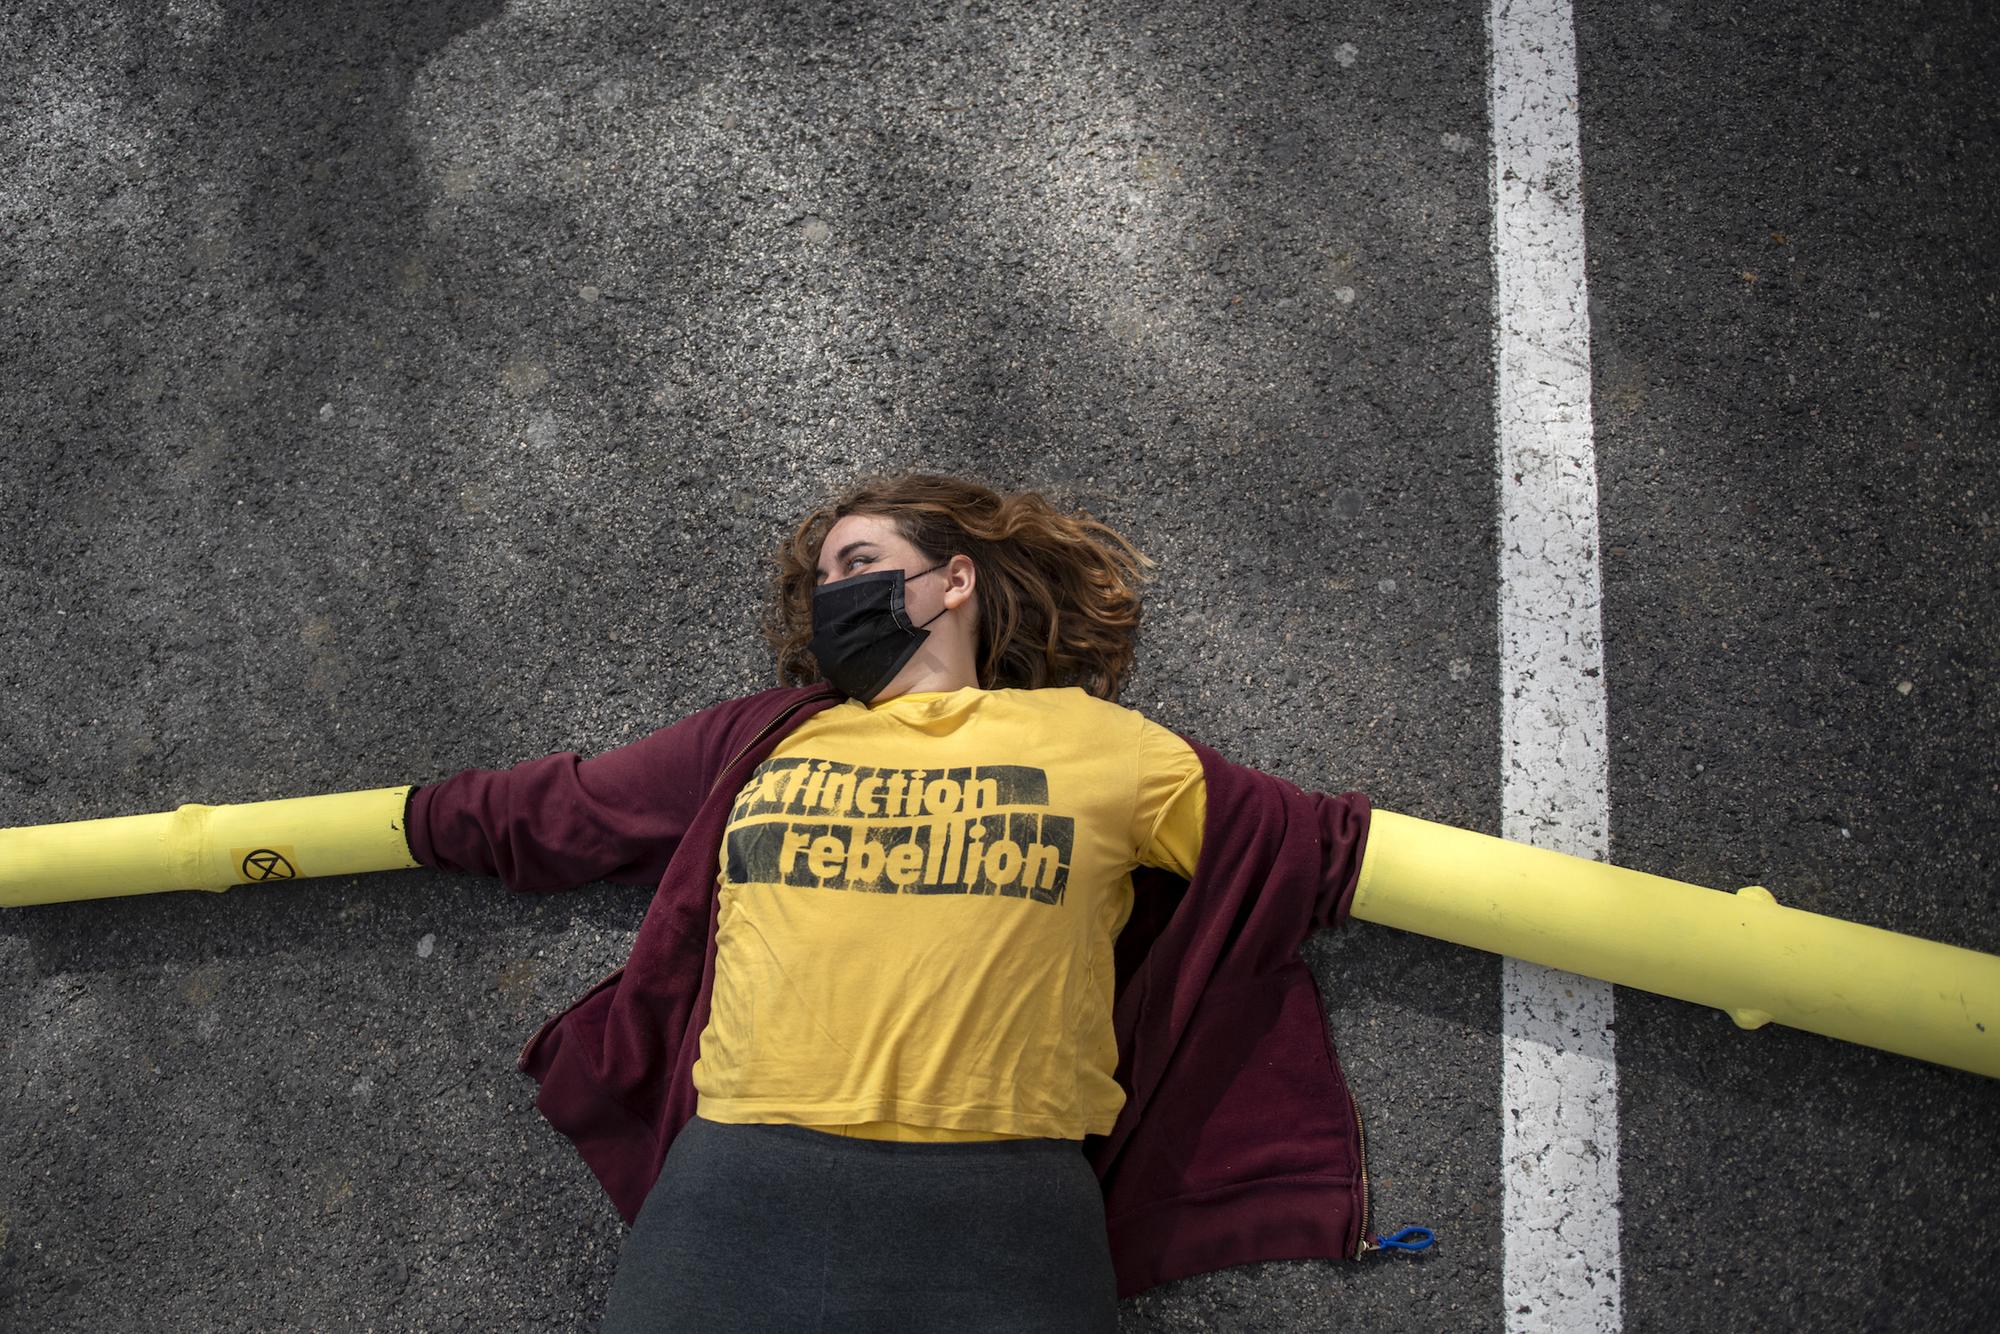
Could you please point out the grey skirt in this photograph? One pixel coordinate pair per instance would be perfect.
(777, 1227)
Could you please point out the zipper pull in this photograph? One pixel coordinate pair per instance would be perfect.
(1409, 1239)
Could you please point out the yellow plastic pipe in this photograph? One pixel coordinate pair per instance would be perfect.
(205, 847)
(1743, 952)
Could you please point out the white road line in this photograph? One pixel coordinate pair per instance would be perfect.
(1559, 1090)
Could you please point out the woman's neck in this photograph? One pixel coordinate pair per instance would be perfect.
(940, 678)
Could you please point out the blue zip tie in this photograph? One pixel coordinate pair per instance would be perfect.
(1409, 1239)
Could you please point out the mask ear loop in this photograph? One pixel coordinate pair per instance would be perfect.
(920, 574)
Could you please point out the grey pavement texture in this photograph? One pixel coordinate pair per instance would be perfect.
(1794, 314)
(393, 389)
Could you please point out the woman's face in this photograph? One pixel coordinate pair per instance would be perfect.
(870, 544)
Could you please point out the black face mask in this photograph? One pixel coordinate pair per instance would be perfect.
(861, 636)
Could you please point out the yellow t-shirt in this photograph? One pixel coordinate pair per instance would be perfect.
(918, 904)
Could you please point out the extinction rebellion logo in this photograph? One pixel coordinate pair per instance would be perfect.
(266, 864)
(980, 829)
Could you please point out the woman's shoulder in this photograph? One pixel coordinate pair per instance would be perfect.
(1077, 702)
(1119, 733)
(756, 707)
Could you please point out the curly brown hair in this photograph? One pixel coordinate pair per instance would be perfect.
(1058, 593)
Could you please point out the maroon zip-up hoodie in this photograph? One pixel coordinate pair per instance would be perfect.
(1238, 1141)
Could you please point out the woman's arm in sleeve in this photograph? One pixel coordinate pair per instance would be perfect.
(560, 821)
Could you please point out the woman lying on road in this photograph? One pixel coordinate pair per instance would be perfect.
(965, 995)
(968, 998)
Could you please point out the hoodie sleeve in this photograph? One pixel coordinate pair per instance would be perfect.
(1278, 862)
(560, 822)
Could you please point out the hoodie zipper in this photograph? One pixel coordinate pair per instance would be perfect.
(1362, 1247)
(522, 1059)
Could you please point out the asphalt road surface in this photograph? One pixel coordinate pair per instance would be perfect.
(398, 388)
